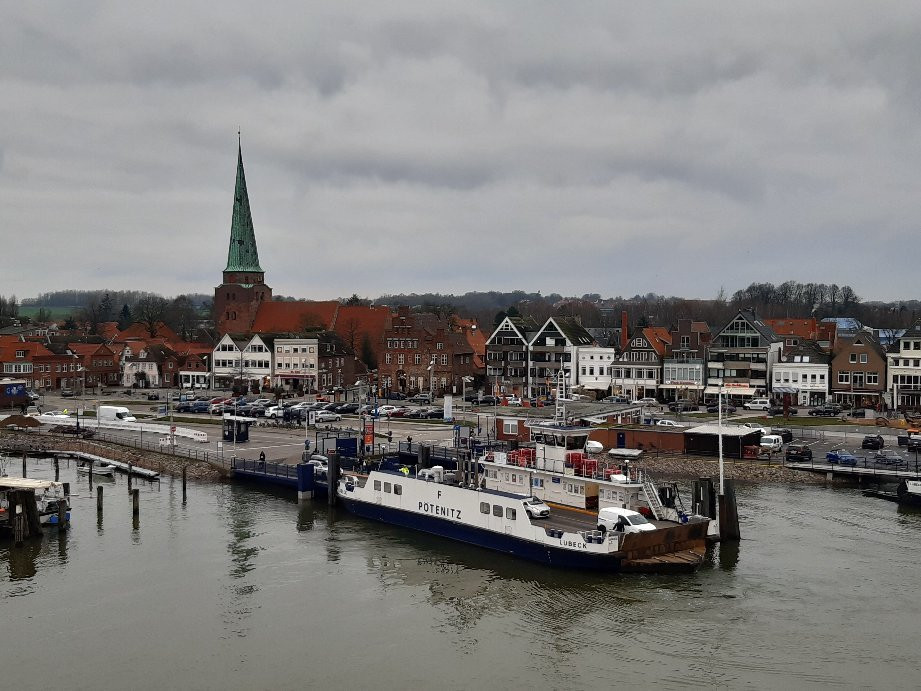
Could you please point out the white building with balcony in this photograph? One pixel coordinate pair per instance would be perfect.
(804, 373)
(904, 370)
(594, 369)
(741, 357)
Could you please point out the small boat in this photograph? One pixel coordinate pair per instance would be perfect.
(909, 492)
(97, 468)
(48, 499)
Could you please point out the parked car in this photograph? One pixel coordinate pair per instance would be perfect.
(757, 404)
(395, 396)
(417, 414)
(785, 433)
(841, 456)
(914, 443)
(728, 408)
(888, 458)
(184, 407)
(327, 416)
(348, 408)
(153, 396)
(755, 427)
(384, 410)
(487, 400)
(798, 453)
(421, 398)
(67, 393)
(646, 401)
(872, 441)
(668, 423)
(200, 407)
(622, 520)
(682, 406)
(512, 400)
(615, 399)
(274, 412)
(825, 411)
(775, 410)
(535, 508)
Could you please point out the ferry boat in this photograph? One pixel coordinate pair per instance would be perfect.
(440, 502)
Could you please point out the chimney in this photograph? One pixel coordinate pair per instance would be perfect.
(623, 330)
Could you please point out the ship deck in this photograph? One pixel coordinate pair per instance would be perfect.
(573, 520)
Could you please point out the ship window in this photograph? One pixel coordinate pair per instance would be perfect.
(511, 513)
(377, 485)
(538, 482)
(398, 489)
(387, 487)
(484, 507)
(497, 511)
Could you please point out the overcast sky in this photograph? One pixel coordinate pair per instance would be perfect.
(613, 148)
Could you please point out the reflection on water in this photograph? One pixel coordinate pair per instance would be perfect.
(241, 588)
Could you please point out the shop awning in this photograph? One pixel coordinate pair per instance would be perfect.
(731, 390)
(785, 389)
(690, 387)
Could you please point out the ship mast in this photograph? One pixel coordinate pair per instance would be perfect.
(560, 415)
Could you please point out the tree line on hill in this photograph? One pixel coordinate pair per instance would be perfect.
(186, 313)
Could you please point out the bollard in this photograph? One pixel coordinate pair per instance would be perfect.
(135, 502)
(57, 469)
(24, 464)
(183, 483)
(99, 499)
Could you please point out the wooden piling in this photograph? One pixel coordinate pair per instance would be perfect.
(62, 515)
(91, 472)
(19, 523)
(24, 464)
(57, 469)
(183, 483)
(129, 479)
(67, 491)
(729, 513)
(135, 502)
(332, 478)
(99, 499)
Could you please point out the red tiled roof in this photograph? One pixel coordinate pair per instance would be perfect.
(659, 337)
(139, 330)
(291, 317)
(108, 330)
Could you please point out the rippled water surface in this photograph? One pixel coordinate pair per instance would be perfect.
(242, 589)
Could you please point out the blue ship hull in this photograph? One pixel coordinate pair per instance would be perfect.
(545, 554)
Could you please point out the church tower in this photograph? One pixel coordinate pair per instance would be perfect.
(237, 299)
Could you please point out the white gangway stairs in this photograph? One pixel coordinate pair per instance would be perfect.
(652, 497)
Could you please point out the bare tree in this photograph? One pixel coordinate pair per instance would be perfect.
(150, 311)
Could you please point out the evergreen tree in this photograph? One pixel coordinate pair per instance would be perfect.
(125, 318)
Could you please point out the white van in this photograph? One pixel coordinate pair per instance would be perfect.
(622, 520)
(114, 413)
(757, 404)
(771, 442)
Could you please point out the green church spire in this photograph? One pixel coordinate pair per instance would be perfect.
(242, 255)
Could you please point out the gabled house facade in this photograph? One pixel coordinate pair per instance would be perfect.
(638, 373)
(741, 357)
(904, 370)
(858, 371)
(507, 356)
(684, 370)
(553, 348)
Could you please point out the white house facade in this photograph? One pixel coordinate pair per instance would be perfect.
(296, 363)
(594, 368)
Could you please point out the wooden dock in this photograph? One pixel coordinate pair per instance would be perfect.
(120, 465)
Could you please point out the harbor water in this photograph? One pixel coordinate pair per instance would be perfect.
(239, 588)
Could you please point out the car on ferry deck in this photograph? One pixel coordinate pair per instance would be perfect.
(535, 508)
(622, 520)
